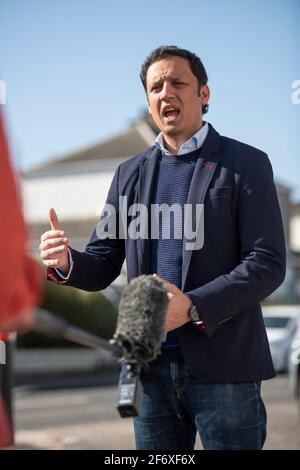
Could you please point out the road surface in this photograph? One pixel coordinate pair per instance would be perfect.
(86, 418)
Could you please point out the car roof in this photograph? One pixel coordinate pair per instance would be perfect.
(291, 311)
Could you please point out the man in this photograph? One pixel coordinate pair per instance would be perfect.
(216, 353)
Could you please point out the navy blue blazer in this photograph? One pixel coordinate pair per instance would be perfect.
(241, 262)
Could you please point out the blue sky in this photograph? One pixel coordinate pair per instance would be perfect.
(71, 70)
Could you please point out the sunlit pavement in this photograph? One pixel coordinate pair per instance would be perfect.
(86, 418)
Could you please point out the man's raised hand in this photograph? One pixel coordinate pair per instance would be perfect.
(54, 245)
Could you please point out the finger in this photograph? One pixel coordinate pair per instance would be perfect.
(47, 254)
(52, 243)
(52, 234)
(159, 279)
(170, 287)
(53, 219)
(51, 263)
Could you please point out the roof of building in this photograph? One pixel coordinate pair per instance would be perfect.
(107, 154)
(102, 155)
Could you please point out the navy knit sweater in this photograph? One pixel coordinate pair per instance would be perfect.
(171, 186)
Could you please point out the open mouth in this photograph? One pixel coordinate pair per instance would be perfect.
(170, 113)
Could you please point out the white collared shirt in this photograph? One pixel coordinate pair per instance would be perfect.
(193, 143)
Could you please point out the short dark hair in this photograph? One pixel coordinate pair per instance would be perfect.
(164, 52)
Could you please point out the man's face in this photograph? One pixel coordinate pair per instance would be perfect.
(174, 98)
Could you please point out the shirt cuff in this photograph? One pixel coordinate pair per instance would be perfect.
(65, 277)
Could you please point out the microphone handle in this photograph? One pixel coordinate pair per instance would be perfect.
(130, 390)
(77, 335)
(50, 325)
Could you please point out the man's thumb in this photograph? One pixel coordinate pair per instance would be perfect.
(53, 220)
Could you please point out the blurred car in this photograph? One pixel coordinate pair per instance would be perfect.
(281, 327)
(294, 364)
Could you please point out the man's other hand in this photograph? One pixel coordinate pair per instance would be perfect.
(179, 303)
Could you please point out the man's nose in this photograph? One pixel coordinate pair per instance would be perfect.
(167, 90)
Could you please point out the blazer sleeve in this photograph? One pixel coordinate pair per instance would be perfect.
(262, 250)
(101, 262)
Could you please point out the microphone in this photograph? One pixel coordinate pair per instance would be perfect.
(137, 339)
(142, 312)
(139, 333)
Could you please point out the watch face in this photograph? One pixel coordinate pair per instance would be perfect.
(194, 313)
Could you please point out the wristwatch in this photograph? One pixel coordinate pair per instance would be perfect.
(194, 314)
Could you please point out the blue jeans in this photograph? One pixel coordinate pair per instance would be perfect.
(175, 405)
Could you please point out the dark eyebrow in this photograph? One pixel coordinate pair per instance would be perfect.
(155, 83)
(169, 79)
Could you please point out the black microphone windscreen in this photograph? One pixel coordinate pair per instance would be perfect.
(142, 312)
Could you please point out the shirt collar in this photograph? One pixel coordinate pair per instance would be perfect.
(193, 143)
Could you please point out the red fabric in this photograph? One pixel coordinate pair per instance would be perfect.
(4, 336)
(6, 432)
(201, 327)
(20, 277)
(53, 276)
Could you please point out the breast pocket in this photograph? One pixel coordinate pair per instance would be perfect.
(223, 192)
(218, 204)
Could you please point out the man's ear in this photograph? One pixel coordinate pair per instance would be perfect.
(204, 94)
(149, 109)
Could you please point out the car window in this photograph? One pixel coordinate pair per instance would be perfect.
(276, 322)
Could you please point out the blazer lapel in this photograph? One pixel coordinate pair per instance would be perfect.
(204, 170)
(147, 174)
(203, 173)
